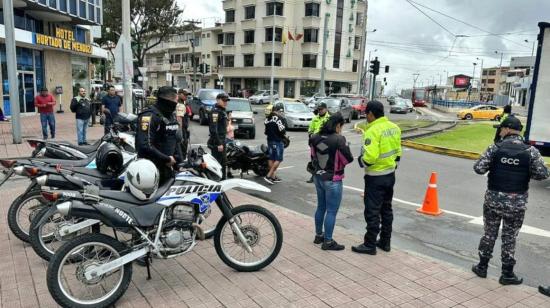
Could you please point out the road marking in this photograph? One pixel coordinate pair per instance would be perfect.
(473, 219)
(286, 167)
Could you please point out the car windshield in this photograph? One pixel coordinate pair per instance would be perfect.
(332, 102)
(210, 94)
(400, 102)
(296, 108)
(355, 102)
(238, 105)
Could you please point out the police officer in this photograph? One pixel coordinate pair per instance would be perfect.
(506, 112)
(380, 155)
(217, 121)
(511, 164)
(182, 115)
(319, 119)
(158, 134)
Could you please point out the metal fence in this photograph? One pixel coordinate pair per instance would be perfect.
(451, 104)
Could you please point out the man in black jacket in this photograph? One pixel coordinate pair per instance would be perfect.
(217, 121)
(158, 133)
(82, 107)
(275, 131)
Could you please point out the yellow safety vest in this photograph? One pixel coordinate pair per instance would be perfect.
(382, 146)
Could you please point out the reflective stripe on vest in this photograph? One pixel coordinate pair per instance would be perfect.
(388, 154)
(378, 173)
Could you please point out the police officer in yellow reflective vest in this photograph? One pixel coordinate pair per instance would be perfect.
(321, 117)
(380, 156)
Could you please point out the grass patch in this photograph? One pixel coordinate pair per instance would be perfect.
(404, 124)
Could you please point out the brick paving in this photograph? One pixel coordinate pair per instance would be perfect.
(302, 276)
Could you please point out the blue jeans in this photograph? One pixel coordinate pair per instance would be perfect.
(275, 150)
(47, 119)
(329, 197)
(81, 126)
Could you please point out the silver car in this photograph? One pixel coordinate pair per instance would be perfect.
(263, 97)
(339, 104)
(297, 114)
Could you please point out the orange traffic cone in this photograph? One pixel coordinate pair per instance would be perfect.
(431, 203)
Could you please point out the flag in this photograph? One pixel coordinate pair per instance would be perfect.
(290, 37)
(298, 37)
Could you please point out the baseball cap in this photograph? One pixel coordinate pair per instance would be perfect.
(223, 97)
(375, 107)
(322, 106)
(511, 122)
(278, 108)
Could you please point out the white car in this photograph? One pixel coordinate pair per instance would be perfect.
(137, 91)
(297, 114)
(263, 97)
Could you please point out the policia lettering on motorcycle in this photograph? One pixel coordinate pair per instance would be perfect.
(511, 165)
(158, 134)
(379, 157)
(217, 121)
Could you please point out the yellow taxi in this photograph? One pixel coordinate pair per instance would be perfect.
(481, 112)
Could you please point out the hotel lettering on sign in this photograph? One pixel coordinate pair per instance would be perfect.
(64, 39)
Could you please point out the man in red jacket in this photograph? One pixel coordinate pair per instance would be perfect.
(45, 102)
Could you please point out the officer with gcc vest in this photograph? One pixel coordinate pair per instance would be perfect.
(511, 164)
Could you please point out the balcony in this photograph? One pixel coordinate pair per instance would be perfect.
(228, 4)
(248, 24)
(248, 48)
(266, 47)
(310, 47)
(278, 21)
(311, 22)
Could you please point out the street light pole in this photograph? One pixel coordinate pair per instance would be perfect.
(11, 63)
(362, 55)
(192, 40)
(324, 58)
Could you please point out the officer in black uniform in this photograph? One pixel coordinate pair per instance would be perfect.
(217, 121)
(511, 165)
(158, 134)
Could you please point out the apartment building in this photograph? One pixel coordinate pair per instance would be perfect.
(493, 82)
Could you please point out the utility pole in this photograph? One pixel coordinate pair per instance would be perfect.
(324, 58)
(11, 62)
(192, 41)
(272, 80)
(127, 55)
(363, 48)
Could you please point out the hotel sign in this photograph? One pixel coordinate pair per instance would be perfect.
(64, 39)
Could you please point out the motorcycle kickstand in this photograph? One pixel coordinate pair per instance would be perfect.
(148, 265)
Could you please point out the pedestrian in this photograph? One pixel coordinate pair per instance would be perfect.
(330, 154)
(380, 155)
(110, 103)
(82, 107)
(45, 102)
(275, 131)
(183, 112)
(511, 164)
(319, 119)
(217, 120)
(157, 136)
(507, 111)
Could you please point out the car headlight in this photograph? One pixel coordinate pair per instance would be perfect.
(248, 121)
(208, 108)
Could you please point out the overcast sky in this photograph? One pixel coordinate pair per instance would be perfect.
(410, 42)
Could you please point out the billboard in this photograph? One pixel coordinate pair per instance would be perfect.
(461, 81)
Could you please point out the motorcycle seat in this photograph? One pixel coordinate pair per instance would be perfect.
(88, 149)
(258, 150)
(127, 197)
(64, 162)
(94, 173)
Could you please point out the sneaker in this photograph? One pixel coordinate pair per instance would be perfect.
(276, 179)
(319, 239)
(269, 180)
(310, 180)
(332, 245)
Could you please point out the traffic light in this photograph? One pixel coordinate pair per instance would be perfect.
(201, 68)
(387, 69)
(375, 66)
(207, 68)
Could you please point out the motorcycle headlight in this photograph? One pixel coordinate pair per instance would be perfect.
(208, 108)
(248, 121)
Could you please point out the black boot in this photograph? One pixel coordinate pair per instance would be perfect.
(366, 249)
(508, 277)
(481, 268)
(319, 239)
(332, 245)
(384, 245)
(544, 290)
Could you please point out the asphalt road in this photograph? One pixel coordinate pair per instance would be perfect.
(452, 237)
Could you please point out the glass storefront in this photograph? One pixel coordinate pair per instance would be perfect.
(80, 73)
(289, 88)
(309, 87)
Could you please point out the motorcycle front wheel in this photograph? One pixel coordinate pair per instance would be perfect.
(22, 211)
(263, 234)
(69, 286)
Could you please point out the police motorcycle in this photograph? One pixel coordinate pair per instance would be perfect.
(107, 165)
(95, 270)
(245, 158)
(49, 229)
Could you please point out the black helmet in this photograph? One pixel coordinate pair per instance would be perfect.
(109, 159)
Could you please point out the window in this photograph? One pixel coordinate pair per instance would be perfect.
(229, 61)
(177, 58)
(72, 6)
(311, 35)
(249, 12)
(219, 60)
(490, 89)
(249, 36)
(230, 39)
(268, 59)
(309, 60)
(269, 34)
(63, 5)
(492, 72)
(312, 9)
(53, 4)
(82, 9)
(357, 43)
(358, 19)
(491, 81)
(277, 6)
(207, 35)
(220, 38)
(338, 33)
(485, 72)
(249, 60)
(230, 16)
(91, 12)
(354, 67)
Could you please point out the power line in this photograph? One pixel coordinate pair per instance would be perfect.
(429, 17)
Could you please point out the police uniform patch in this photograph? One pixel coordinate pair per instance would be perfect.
(367, 141)
(214, 117)
(145, 123)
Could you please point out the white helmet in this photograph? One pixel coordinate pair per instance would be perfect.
(142, 178)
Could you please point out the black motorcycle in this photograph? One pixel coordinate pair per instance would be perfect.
(245, 158)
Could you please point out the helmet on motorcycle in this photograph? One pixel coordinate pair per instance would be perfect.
(142, 178)
(109, 159)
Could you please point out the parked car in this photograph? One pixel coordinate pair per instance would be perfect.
(263, 96)
(242, 117)
(96, 84)
(297, 114)
(358, 105)
(399, 106)
(138, 91)
(484, 112)
(341, 105)
(313, 98)
(409, 104)
(203, 103)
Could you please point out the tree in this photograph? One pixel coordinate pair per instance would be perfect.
(152, 22)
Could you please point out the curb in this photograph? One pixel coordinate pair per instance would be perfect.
(440, 150)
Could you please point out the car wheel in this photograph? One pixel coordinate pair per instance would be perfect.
(348, 120)
(468, 116)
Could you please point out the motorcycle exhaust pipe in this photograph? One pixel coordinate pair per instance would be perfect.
(41, 180)
(200, 231)
(19, 170)
(62, 208)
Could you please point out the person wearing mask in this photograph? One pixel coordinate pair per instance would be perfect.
(380, 155)
(45, 102)
(110, 103)
(157, 136)
(182, 114)
(82, 107)
(275, 131)
(330, 154)
(217, 121)
(507, 111)
(511, 165)
(319, 119)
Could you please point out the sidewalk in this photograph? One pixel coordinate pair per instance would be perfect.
(302, 276)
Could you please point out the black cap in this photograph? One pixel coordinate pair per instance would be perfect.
(223, 97)
(375, 107)
(511, 122)
(322, 106)
(278, 108)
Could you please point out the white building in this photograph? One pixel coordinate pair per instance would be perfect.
(519, 78)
